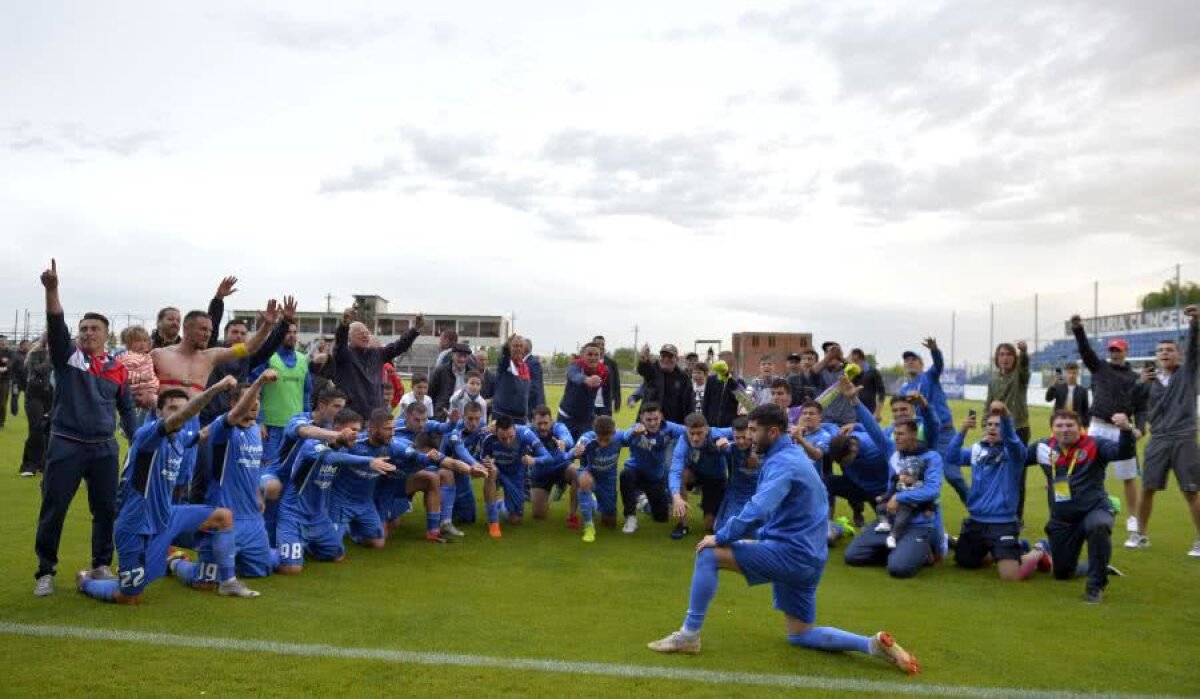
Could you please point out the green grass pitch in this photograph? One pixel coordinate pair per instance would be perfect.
(540, 593)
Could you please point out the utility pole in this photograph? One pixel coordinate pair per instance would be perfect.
(1095, 303)
(328, 302)
(635, 338)
(1178, 304)
(953, 334)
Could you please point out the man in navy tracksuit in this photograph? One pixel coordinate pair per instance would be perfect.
(991, 530)
(929, 383)
(90, 385)
(586, 377)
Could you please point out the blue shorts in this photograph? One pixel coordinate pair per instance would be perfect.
(316, 537)
(143, 557)
(514, 491)
(360, 519)
(605, 490)
(464, 499)
(254, 557)
(546, 477)
(270, 453)
(794, 581)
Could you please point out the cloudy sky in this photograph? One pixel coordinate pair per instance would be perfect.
(857, 170)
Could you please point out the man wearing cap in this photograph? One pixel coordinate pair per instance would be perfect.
(666, 383)
(928, 382)
(448, 378)
(1114, 390)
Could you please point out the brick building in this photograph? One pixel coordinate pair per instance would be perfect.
(749, 348)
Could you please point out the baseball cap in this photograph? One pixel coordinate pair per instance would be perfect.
(1119, 344)
(460, 348)
(795, 357)
(909, 354)
(669, 349)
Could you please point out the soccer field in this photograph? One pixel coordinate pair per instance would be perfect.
(541, 613)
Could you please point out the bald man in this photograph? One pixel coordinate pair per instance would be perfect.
(358, 366)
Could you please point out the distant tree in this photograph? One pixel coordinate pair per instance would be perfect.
(626, 358)
(1189, 293)
(561, 360)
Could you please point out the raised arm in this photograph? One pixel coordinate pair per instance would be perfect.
(1023, 373)
(935, 372)
(1086, 353)
(405, 341)
(341, 338)
(242, 409)
(1191, 356)
(58, 335)
(197, 403)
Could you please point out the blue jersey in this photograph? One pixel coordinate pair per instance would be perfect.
(996, 473)
(743, 478)
(601, 460)
(508, 459)
(706, 461)
(431, 427)
(289, 446)
(234, 468)
(408, 459)
(316, 467)
(929, 384)
(558, 431)
(151, 470)
(789, 505)
(189, 435)
(462, 445)
(356, 483)
(870, 470)
(648, 453)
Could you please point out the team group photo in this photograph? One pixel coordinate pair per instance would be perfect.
(535, 350)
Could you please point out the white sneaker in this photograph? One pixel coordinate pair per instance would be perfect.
(891, 541)
(44, 586)
(102, 573)
(449, 528)
(883, 526)
(235, 588)
(630, 524)
(1137, 541)
(677, 642)
(1131, 524)
(1195, 551)
(643, 503)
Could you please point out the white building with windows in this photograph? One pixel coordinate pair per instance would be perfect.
(478, 331)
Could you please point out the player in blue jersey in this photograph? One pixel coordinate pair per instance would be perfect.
(230, 479)
(462, 443)
(421, 468)
(148, 522)
(599, 452)
(786, 516)
(511, 449)
(743, 471)
(698, 460)
(390, 497)
(560, 472)
(302, 426)
(649, 442)
(353, 506)
(305, 528)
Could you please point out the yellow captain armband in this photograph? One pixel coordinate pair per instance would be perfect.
(240, 351)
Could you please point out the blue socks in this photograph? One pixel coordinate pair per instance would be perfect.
(704, 587)
(449, 493)
(103, 590)
(433, 520)
(830, 640)
(493, 512)
(224, 549)
(587, 506)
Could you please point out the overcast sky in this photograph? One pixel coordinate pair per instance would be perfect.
(857, 170)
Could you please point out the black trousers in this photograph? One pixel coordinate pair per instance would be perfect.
(1066, 542)
(68, 463)
(848, 490)
(5, 389)
(655, 490)
(1023, 433)
(37, 415)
